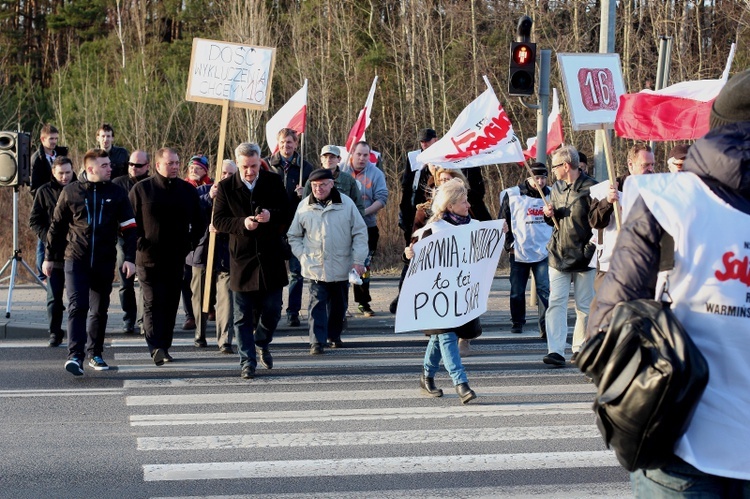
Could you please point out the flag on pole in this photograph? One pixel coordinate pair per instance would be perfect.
(554, 131)
(481, 135)
(677, 112)
(357, 133)
(292, 115)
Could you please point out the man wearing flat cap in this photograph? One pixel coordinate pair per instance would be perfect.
(677, 157)
(526, 244)
(330, 156)
(329, 236)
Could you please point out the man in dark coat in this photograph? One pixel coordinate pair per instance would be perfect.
(88, 216)
(138, 166)
(170, 224)
(39, 221)
(118, 156)
(252, 206)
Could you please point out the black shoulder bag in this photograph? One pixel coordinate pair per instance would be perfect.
(649, 376)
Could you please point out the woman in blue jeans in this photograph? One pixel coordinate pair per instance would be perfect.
(449, 207)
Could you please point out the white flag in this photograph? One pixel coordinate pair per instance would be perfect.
(481, 135)
(292, 115)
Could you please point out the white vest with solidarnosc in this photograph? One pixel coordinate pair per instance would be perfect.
(710, 290)
(530, 232)
(609, 233)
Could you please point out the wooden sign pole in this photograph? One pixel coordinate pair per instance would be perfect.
(208, 286)
(611, 174)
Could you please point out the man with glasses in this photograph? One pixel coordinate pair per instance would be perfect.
(83, 233)
(570, 251)
(603, 197)
(329, 237)
(170, 224)
(526, 244)
(138, 166)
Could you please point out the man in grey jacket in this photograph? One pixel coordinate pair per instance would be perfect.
(374, 191)
(329, 237)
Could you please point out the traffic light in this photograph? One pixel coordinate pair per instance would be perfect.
(522, 68)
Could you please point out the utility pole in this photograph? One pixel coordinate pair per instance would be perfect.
(606, 46)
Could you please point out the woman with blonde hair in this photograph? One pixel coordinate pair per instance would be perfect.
(450, 207)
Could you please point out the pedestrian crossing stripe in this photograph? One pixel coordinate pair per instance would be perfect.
(349, 395)
(391, 437)
(378, 466)
(371, 414)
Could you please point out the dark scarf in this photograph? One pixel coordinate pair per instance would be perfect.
(455, 219)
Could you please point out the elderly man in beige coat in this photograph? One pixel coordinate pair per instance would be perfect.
(329, 237)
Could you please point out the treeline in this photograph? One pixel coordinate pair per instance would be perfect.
(79, 63)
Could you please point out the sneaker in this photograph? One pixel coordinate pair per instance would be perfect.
(98, 363)
(366, 310)
(554, 359)
(74, 367)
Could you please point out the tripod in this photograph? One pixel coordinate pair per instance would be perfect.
(16, 258)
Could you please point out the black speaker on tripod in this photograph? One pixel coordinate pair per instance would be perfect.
(15, 159)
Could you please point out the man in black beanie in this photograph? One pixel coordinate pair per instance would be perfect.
(707, 211)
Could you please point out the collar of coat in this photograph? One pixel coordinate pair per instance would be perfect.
(335, 197)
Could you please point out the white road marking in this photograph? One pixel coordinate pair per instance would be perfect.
(268, 417)
(395, 437)
(378, 466)
(83, 392)
(338, 395)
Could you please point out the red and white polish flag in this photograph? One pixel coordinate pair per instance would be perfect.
(481, 135)
(292, 115)
(357, 133)
(554, 131)
(677, 112)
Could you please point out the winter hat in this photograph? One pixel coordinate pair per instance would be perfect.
(733, 102)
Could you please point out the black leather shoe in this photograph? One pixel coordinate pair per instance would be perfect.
(226, 349)
(465, 393)
(55, 340)
(158, 355)
(316, 349)
(200, 343)
(264, 357)
(554, 359)
(167, 357)
(335, 343)
(428, 386)
(393, 307)
(293, 320)
(248, 372)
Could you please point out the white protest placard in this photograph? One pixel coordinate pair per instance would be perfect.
(234, 72)
(449, 279)
(593, 86)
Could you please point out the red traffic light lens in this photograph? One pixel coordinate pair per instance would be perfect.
(522, 55)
